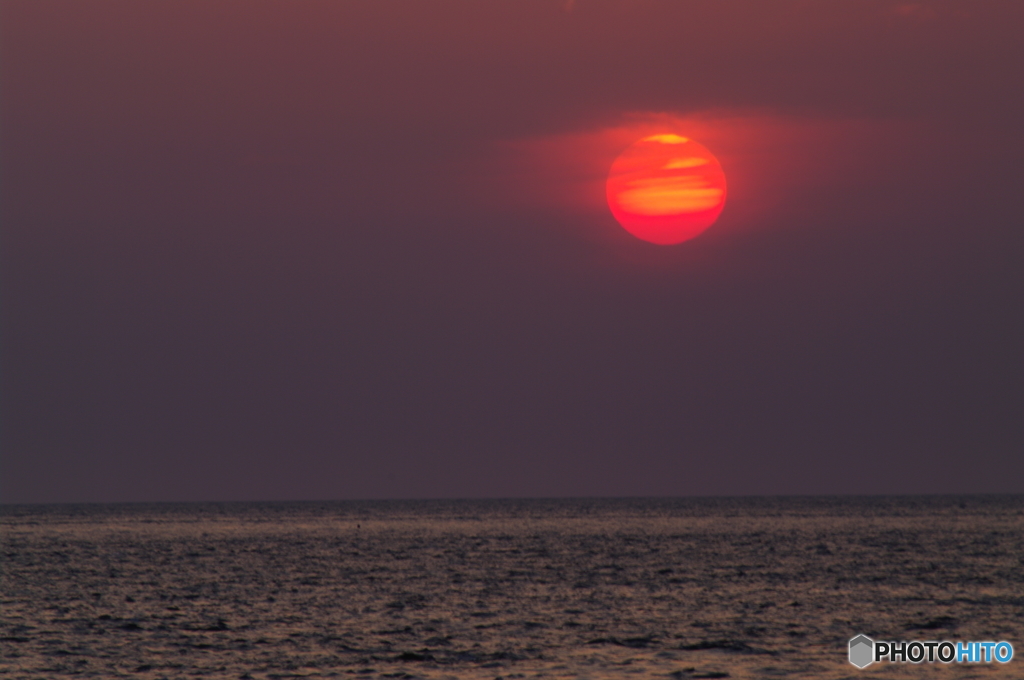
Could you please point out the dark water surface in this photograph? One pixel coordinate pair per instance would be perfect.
(696, 588)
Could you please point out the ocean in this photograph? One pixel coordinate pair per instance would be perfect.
(580, 588)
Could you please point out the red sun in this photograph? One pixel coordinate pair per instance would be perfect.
(666, 189)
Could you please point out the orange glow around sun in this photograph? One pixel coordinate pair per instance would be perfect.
(666, 189)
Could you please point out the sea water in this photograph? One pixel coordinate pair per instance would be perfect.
(621, 588)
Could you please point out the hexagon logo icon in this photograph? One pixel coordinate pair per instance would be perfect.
(862, 651)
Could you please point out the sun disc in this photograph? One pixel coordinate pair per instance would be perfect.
(666, 189)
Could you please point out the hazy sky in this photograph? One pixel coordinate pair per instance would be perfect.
(329, 250)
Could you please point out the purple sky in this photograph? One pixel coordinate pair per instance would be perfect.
(329, 250)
